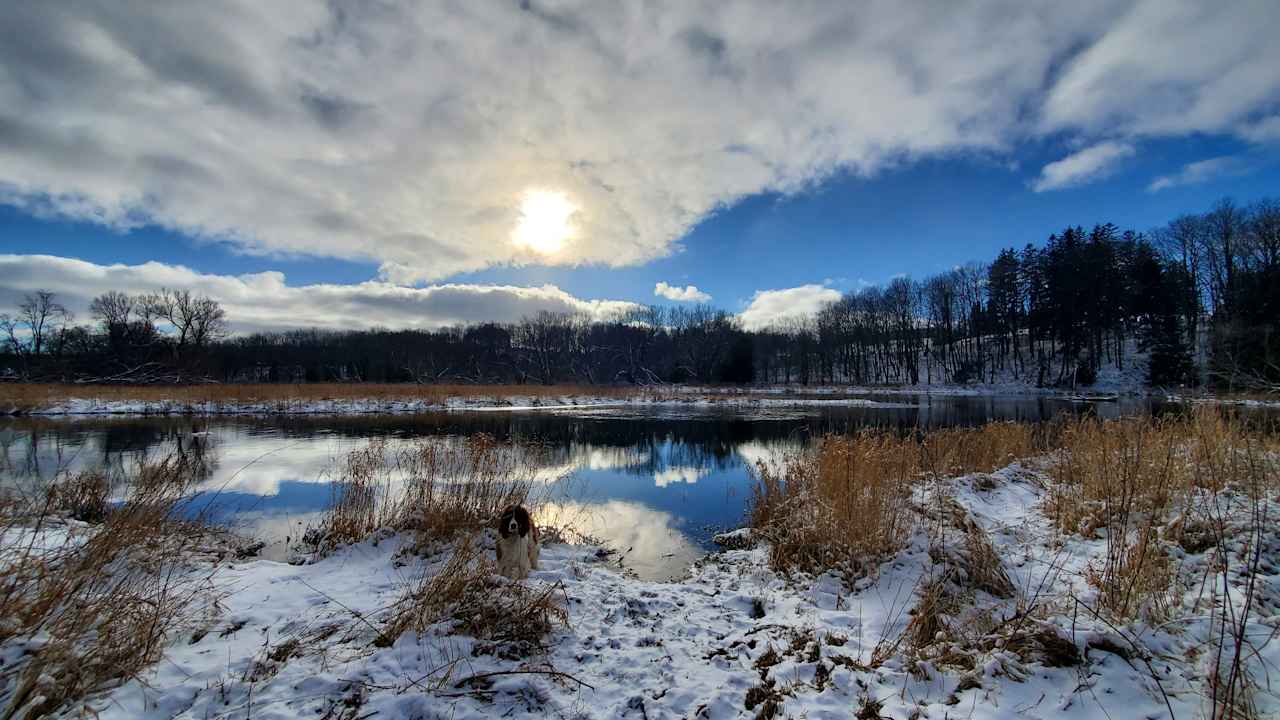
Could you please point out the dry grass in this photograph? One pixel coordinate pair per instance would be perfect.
(26, 397)
(447, 489)
(434, 486)
(847, 503)
(83, 496)
(1203, 483)
(101, 599)
(1144, 484)
(956, 451)
(467, 596)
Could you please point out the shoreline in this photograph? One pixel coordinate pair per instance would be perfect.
(732, 638)
(392, 400)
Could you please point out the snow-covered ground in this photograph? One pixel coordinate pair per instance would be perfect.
(671, 397)
(735, 639)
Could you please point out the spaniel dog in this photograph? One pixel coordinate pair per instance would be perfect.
(517, 543)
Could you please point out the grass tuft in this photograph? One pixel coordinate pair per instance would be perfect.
(467, 596)
(847, 503)
(435, 487)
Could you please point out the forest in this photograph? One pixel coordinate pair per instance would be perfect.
(1196, 300)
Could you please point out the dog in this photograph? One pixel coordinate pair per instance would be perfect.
(517, 543)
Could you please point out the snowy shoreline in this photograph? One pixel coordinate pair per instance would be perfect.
(699, 397)
(735, 638)
(89, 406)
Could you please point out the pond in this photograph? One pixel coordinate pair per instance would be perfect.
(655, 483)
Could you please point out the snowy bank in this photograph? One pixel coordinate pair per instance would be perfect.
(89, 405)
(736, 639)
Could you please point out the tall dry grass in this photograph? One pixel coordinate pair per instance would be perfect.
(83, 608)
(28, 397)
(1191, 485)
(447, 489)
(434, 487)
(847, 502)
(1145, 485)
(466, 594)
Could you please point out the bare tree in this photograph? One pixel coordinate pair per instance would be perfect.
(1220, 246)
(114, 310)
(44, 318)
(197, 320)
(1264, 234)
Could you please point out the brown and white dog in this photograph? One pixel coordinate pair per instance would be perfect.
(517, 543)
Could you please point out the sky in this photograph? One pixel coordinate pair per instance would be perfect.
(408, 164)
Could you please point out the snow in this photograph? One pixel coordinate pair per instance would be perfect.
(1111, 381)
(676, 398)
(733, 633)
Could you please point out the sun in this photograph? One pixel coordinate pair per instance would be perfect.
(545, 221)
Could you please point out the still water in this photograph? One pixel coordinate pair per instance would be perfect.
(654, 483)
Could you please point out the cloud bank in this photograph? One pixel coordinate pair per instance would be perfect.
(774, 307)
(407, 133)
(689, 293)
(264, 301)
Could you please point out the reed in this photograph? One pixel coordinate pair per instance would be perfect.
(465, 595)
(847, 502)
(29, 397)
(102, 599)
(434, 487)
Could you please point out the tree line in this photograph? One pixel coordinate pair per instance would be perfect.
(1197, 299)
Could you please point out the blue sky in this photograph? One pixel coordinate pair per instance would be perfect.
(393, 152)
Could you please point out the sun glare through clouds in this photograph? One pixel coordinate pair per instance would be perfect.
(544, 223)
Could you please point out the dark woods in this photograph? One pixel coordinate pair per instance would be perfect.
(166, 336)
(1197, 300)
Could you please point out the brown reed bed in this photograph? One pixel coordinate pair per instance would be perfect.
(1155, 490)
(434, 487)
(101, 598)
(847, 502)
(30, 397)
(1148, 484)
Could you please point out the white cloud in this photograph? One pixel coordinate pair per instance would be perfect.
(263, 301)
(1168, 67)
(651, 541)
(407, 133)
(690, 293)
(771, 307)
(678, 474)
(1087, 165)
(1198, 172)
(1266, 130)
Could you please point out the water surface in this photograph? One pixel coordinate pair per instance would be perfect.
(654, 482)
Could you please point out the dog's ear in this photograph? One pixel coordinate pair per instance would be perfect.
(503, 520)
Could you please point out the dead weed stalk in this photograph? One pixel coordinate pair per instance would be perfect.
(82, 607)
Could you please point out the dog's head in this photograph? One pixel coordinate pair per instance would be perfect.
(514, 521)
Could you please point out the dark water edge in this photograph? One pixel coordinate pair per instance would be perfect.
(655, 482)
